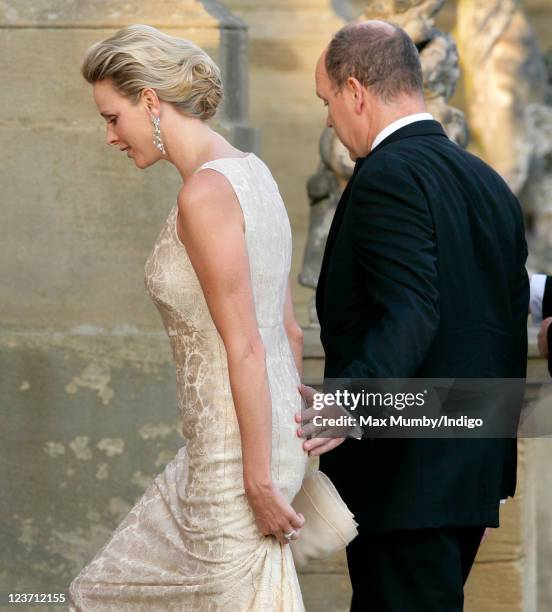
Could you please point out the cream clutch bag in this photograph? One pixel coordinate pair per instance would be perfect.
(329, 524)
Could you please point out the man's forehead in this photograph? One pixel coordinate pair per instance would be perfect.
(321, 59)
(320, 71)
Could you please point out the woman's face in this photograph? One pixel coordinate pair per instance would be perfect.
(128, 126)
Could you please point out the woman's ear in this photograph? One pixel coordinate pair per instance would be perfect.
(150, 99)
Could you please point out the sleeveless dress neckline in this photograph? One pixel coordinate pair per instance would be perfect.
(217, 159)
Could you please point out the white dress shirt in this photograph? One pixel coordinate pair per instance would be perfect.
(538, 282)
(398, 124)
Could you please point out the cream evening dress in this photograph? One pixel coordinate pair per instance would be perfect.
(191, 543)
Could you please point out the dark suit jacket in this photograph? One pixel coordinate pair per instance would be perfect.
(424, 275)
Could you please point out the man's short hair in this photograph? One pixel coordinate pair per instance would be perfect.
(386, 62)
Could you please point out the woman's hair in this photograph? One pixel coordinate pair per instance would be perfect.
(141, 56)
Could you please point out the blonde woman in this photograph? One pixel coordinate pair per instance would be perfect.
(211, 531)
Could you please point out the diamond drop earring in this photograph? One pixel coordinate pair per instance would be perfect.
(157, 134)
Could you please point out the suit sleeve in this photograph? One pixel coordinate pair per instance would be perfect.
(547, 298)
(520, 302)
(394, 247)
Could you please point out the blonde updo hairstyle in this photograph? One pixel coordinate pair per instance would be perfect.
(141, 56)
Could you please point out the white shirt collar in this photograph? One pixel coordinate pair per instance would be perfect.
(398, 124)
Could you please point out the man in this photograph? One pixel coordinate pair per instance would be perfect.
(423, 276)
(541, 313)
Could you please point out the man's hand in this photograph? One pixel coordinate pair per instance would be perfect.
(325, 437)
(543, 337)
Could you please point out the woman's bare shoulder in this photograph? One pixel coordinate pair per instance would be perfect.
(208, 196)
(207, 185)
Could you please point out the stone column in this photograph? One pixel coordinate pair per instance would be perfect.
(286, 39)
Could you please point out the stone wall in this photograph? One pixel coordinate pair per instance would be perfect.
(88, 404)
(88, 400)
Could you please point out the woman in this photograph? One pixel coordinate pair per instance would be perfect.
(211, 531)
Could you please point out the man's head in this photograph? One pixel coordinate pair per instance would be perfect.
(368, 76)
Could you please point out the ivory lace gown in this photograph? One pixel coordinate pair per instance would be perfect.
(191, 542)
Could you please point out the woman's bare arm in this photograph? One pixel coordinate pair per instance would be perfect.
(212, 228)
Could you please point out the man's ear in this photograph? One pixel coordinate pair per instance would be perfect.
(357, 93)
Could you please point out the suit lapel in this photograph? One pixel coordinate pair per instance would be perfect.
(332, 234)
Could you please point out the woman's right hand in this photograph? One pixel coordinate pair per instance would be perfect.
(273, 514)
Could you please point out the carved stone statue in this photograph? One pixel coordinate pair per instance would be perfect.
(536, 195)
(440, 70)
(508, 98)
(324, 189)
